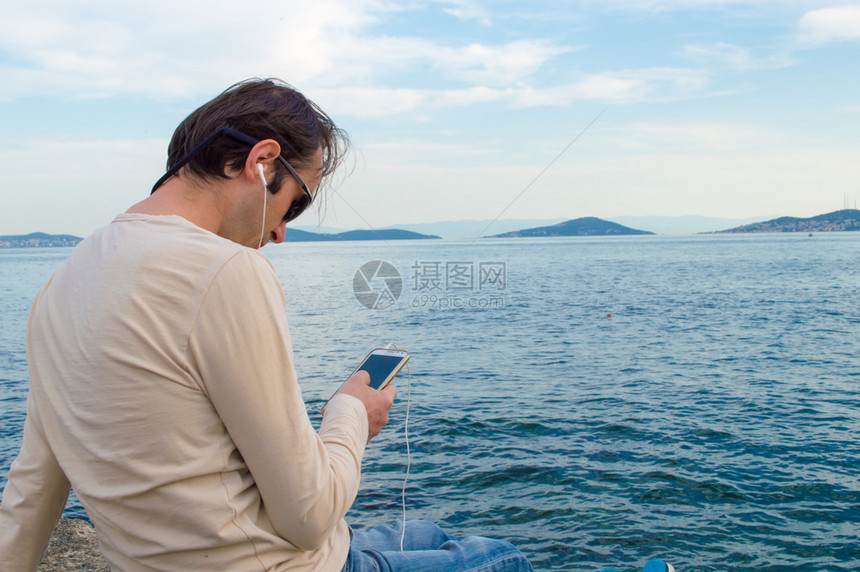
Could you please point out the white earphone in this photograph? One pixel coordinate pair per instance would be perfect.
(265, 196)
(262, 175)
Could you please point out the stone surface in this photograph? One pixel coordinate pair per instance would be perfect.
(73, 546)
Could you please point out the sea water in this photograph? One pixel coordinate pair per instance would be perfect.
(596, 401)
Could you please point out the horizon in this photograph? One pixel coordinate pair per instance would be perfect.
(663, 222)
(458, 109)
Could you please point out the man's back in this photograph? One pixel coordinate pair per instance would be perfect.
(128, 346)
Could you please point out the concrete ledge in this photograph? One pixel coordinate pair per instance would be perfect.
(73, 546)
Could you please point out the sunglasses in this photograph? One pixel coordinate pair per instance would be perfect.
(296, 208)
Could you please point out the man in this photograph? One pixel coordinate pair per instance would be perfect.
(162, 386)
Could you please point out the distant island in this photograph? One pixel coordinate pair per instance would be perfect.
(38, 240)
(295, 235)
(42, 240)
(837, 221)
(585, 226)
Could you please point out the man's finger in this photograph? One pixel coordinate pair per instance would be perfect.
(390, 392)
(363, 376)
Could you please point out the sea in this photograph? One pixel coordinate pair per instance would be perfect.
(597, 401)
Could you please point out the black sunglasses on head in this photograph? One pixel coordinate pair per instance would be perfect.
(296, 208)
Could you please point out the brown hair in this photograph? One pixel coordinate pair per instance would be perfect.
(263, 109)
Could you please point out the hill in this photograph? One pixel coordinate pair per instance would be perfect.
(295, 235)
(38, 239)
(586, 226)
(837, 221)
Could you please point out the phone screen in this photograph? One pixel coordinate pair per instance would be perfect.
(379, 367)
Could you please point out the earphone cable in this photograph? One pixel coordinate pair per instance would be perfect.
(408, 453)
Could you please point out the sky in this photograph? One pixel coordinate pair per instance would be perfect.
(457, 109)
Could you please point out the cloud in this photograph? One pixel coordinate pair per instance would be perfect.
(620, 86)
(830, 25)
(332, 49)
(466, 10)
(94, 49)
(371, 60)
(370, 101)
(730, 56)
(496, 65)
(693, 137)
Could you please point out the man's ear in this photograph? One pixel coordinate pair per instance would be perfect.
(263, 153)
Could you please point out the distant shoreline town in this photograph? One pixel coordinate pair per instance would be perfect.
(838, 221)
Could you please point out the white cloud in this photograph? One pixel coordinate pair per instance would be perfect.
(93, 48)
(621, 86)
(365, 60)
(830, 25)
(332, 49)
(726, 55)
(370, 101)
(466, 10)
(495, 65)
(696, 137)
(682, 5)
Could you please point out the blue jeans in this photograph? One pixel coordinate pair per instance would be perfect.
(427, 548)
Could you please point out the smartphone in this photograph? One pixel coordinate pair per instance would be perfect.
(382, 365)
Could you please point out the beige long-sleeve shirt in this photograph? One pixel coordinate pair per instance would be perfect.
(162, 388)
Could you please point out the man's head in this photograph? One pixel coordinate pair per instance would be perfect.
(261, 109)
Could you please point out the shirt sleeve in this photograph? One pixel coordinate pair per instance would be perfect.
(240, 347)
(33, 500)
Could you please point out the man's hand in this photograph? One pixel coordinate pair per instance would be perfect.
(377, 402)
